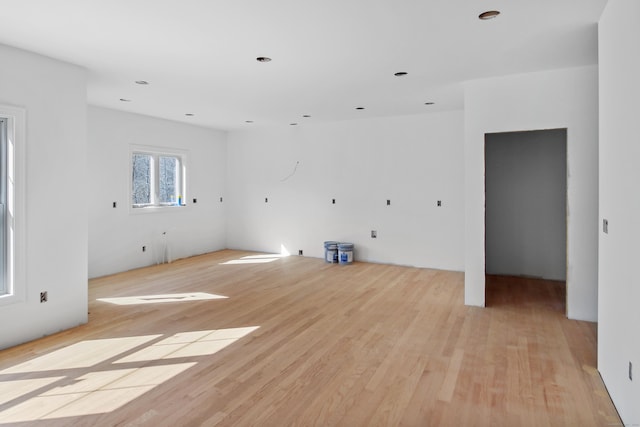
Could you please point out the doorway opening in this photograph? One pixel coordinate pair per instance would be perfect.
(526, 218)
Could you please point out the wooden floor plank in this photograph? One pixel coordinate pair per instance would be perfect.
(298, 342)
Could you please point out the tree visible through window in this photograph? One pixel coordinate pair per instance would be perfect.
(157, 179)
(141, 179)
(169, 179)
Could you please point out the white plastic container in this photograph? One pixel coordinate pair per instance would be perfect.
(345, 253)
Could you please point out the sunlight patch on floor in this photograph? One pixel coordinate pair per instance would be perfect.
(189, 344)
(256, 259)
(155, 299)
(93, 393)
(99, 376)
(80, 355)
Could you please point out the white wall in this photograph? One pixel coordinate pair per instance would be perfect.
(116, 236)
(412, 161)
(526, 192)
(54, 96)
(619, 287)
(545, 100)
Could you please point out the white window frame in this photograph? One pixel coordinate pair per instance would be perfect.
(16, 284)
(155, 153)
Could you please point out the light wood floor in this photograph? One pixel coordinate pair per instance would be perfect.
(300, 342)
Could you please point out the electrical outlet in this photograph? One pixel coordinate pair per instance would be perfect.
(388, 202)
(439, 203)
(374, 234)
(114, 204)
(333, 201)
(220, 199)
(300, 252)
(195, 200)
(605, 226)
(144, 249)
(44, 297)
(630, 371)
(266, 200)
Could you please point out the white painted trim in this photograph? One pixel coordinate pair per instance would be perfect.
(16, 205)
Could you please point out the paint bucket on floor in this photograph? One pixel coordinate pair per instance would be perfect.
(331, 252)
(345, 253)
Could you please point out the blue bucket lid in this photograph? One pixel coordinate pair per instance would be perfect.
(345, 245)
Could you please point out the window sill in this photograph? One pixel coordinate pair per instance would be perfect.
(8, 299)
(157, 209)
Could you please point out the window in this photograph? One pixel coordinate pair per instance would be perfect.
(3, 206)
(12, 195)
(157, 178)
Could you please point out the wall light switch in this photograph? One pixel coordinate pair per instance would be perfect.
(605, 226)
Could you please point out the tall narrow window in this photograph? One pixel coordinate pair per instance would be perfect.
(4, 171)
(12, 204)
(157, 178)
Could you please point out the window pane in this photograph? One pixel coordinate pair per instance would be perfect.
(141, 191)
(168, 179)
(3, 202)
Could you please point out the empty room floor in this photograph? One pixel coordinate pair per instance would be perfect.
(244, 339)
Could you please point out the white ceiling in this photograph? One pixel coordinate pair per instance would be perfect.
(329, 56)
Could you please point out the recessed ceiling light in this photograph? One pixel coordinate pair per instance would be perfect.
(142, 82)
(248, 121)
(125, 100)
(401, 73)
(359, 108)
(429, 103)
(189, 114)
(293, 124)
(489, 14)
(306, 116)
(263, 59)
